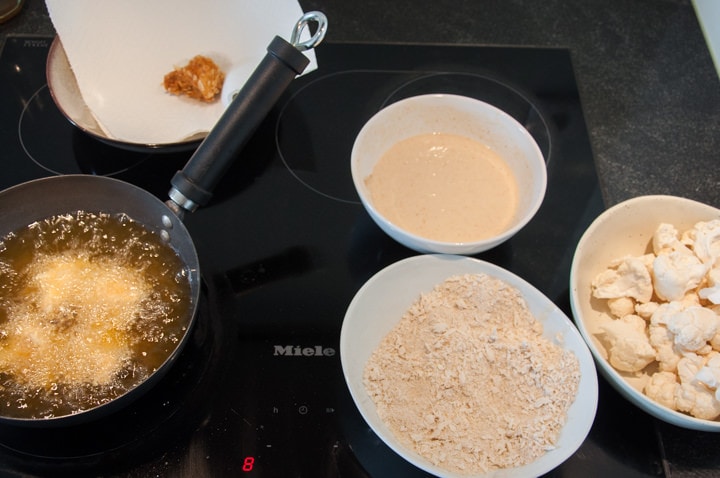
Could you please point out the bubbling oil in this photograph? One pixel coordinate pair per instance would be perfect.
(91, 304)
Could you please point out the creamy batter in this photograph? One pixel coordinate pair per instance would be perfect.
(444, 187)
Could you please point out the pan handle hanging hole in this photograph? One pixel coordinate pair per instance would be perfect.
(305, 20)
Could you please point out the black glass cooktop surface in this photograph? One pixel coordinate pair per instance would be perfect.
(283, 246)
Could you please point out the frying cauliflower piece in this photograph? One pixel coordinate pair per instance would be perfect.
(676, 273)
(626, 277)
(630, 350)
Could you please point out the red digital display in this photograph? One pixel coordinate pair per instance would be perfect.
(248, 463)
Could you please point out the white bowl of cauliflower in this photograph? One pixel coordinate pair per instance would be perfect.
(645, 293)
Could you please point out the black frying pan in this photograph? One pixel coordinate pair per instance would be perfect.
(33, 201)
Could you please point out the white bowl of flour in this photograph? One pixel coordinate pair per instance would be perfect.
(481, 376)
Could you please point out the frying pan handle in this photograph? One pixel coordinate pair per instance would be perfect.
(193, 185)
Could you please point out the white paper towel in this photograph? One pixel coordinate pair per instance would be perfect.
(121, 50)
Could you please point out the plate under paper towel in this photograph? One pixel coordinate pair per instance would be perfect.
(119, 52)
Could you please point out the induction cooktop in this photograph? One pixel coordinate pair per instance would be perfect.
(283, 246)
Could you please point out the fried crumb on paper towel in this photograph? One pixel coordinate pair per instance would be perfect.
(120, 52)
(467, 380)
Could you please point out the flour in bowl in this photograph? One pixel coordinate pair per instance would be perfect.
(468, 381)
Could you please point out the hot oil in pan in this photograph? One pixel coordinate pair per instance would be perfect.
(90, 305)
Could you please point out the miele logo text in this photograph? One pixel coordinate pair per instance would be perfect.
(33, 43)
(299, 351)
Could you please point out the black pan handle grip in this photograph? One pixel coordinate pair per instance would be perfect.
(193, 185)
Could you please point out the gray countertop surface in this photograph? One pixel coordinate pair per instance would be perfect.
(648, 86)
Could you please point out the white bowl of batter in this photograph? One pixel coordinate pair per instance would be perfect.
(448, 174)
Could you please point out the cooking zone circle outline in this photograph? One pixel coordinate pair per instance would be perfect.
(286, 154)
(23, 125)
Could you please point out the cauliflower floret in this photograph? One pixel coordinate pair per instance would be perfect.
(646, 310)
(690, 299)
(715, 342)
(676, 273)
(692, 396)
(709, 374)
(621, 306)
(662, 339)
(669, 301)
(697, 400)
(689, 366)
(667, 239)
(693, 328)
(626, 277)
(712, 291)
(666, 354)
(630, 350)
(662, 388)
(706, 241)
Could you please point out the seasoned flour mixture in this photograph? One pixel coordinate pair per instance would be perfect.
(467, 380)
